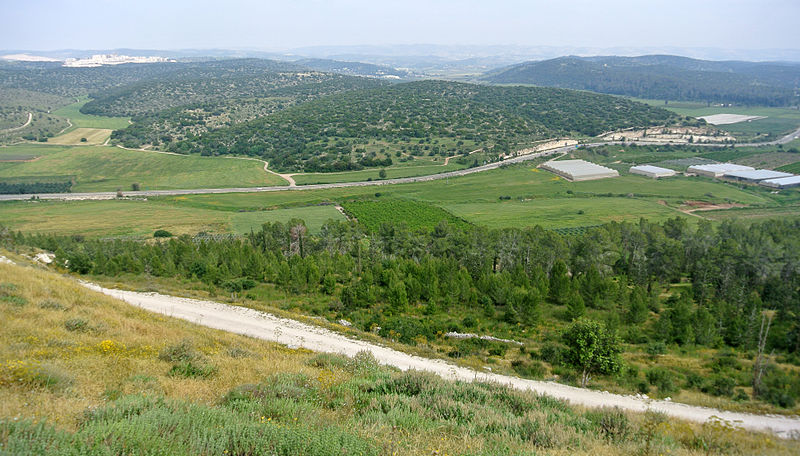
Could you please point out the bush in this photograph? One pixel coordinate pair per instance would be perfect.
(612, 423)
(720, 385)
(552, 353)
(192, 369)
(162, 234)
(181, 352)
(663, 379)
(526, 369)
(76, 325)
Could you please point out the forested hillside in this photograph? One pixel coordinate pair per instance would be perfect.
(657, 287)
(353, 68)
(663, 78)
(54, 79)
(332, 133)
(216, 85)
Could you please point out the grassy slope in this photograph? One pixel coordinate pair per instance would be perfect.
(141, 218)
(538, 197)
(109, 168)
(79, 119)
(320, 402)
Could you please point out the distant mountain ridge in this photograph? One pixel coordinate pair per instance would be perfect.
(664, 77)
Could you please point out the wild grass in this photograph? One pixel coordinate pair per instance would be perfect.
(112, 391)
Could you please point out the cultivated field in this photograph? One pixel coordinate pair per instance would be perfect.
(79, 119)
(82, 136)
(529, 197)
(110, 168)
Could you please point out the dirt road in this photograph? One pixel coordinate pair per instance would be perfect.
(28, 122)
(262, 325)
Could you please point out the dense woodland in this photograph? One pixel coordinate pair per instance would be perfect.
(664, 78)
(325, 133)
(655, 286)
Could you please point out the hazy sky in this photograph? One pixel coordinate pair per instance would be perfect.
(279, 25)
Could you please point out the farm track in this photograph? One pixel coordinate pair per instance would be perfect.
(28, 122)
(402, 180)
(262, 325)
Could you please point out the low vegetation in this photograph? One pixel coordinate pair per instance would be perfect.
(115, 390)
(654, 287)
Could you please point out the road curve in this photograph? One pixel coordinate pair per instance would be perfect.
(261, 325)
(401, 180)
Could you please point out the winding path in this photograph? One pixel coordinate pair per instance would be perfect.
(28, 122)
(262, 325)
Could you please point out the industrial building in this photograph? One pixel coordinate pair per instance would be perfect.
(717, 169)
(579, 170)
(782, 182)
(651, 171)
(756, 175)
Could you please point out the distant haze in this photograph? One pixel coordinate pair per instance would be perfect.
(626, 25)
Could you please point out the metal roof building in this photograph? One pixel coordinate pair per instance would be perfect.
(651, 171)
(717, 169)
(782, 182)
(579, 170)
(756, 175)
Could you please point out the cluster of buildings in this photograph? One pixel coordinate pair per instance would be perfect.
(112, 59)
(582, 170)
(741, 173)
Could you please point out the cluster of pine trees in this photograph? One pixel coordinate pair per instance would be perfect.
(721, 279)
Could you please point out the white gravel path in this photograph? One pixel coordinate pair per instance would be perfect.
(265, 326)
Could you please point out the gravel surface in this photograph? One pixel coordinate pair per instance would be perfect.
(265, 326)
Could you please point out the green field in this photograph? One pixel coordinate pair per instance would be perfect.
(142, 218)
(79, 119)
(561, 212)
(314, 216)
(109, 168)
(530, 197)
(414, 214)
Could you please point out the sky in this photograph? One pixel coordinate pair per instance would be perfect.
(281, 25)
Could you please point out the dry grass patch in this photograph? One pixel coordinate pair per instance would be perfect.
(75, 137)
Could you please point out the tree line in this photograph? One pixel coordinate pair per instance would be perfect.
(411, 286)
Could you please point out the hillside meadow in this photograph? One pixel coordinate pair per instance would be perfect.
(110, 168)
(80, 367)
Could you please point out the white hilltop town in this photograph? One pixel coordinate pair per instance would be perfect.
(112, 59)
(93, 61)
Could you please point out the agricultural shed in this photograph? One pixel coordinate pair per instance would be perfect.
(717, 169)
(756, 175)
(579, 170)
(781, 182)
(651, 171)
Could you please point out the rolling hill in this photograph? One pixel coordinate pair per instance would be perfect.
(335, 133)
(663, 77)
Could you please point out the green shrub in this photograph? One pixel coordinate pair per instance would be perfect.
(180, 352)
(527, 369)
(51, 305)
(16, 301)
(720, 385)
(612, 423)
(663, 379)
(76, 325)
(162, 234)
(192, 369)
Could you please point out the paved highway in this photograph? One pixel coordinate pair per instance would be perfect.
(402, 180)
